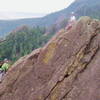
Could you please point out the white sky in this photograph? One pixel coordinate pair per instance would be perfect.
(33, 6)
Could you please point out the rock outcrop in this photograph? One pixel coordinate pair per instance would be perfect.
(67, 68)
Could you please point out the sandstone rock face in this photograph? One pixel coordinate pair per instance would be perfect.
(67, 68)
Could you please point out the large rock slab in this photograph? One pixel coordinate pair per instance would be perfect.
(66, 68)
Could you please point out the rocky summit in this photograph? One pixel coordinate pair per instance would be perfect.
(66, 68)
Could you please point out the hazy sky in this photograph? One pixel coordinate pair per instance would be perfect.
(33, 6)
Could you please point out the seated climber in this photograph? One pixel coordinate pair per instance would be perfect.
(71, 21)
(4, 69)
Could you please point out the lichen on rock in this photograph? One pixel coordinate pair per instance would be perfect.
(50, 52)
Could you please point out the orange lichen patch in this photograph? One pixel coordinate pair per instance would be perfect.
(40, 97)
(77, 61)
(54, 97)
(55, 93)
(50, 52)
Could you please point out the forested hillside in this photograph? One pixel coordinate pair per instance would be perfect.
(22, 42)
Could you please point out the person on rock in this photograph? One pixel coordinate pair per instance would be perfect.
(4, 69)
(71, 21)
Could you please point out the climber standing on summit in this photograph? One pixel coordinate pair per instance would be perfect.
(71, 21)
(4, 69)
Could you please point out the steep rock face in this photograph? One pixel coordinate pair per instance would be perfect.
(67, 68)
